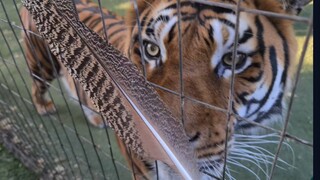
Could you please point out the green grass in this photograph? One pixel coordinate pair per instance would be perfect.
(11, 168)
(301, 122)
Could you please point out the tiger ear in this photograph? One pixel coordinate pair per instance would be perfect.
(294, 6)
(131, 16)
(142, 5)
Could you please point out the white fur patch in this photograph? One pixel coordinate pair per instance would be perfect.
(276, 90)
(217, 56)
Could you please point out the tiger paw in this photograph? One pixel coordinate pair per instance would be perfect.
(45, 109)
(97, 121)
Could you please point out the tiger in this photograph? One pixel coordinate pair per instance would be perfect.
(162, 38)
(263, 72)
(44, 67)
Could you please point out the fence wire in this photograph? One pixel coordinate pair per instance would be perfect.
(62, 145)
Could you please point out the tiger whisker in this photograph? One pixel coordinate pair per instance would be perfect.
(260, 140)
(256, 136)
(229, 174)
(246, 148)
(241, 148)
(252, 156)
(215, 172)
(257, 148)
(258, 157)
(245, 144)
(243, 166)
(251, 161)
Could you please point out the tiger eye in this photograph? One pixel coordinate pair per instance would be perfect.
(239, 59)
(152, 50)
(227, 59)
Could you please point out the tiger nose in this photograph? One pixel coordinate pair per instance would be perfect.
(194, 137)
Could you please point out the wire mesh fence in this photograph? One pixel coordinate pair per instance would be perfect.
(65, 145)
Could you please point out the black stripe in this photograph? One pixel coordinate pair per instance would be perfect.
(150, 32)
(144, 19)
(234, 106)
(148, 165)
(201, 7)
(96, 10)
(114, 24)
(224, 21)
(274, 66)
(255, 65)
(286, 56)
(86, 19)
(162, 18)
(246, 36)
(242, 97)
(188, 18)
(137, 51)
(276, 109)
(213, 145)
(115, 32)
(227, 22)
(135, 38)
(210, 33)
(150, 22)
(206, 41)
(260, 31)
(171, 33)
(254, 79)
(94, 23)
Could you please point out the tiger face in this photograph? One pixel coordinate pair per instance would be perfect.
(263, 63)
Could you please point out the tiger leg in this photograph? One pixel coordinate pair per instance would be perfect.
(93, 117)
(43, 69)
(141, 170)
(42, 103)
(75, 90)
